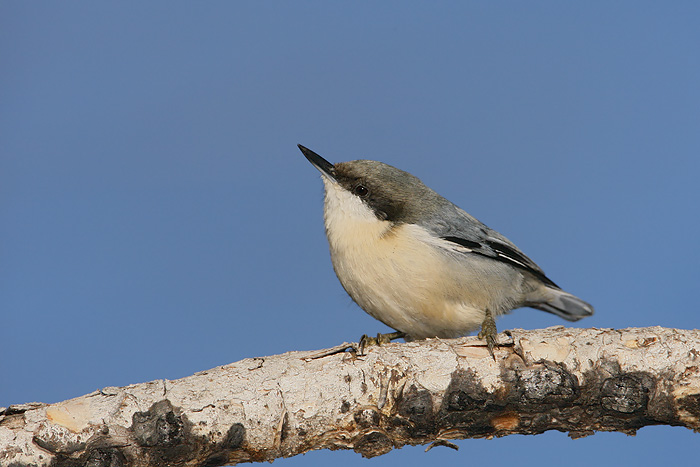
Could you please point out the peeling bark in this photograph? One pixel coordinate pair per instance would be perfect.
(572, 380)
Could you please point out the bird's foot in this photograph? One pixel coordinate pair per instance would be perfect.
(381, 339)
(488, 332)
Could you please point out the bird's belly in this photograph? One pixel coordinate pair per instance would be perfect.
(411, 285)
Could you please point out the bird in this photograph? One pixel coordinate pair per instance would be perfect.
(420, 264)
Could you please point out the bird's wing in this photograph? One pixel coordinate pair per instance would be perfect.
(472, 237)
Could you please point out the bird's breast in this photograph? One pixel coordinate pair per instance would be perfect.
(395, 274)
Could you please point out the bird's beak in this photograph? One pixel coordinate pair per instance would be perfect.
(325, 167)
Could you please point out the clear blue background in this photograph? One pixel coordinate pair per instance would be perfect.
(156, 217)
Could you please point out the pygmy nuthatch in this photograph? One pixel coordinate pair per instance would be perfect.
(421, 265)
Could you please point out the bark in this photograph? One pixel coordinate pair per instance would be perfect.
(573, 380)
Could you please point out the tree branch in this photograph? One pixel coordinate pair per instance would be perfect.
(573, 380)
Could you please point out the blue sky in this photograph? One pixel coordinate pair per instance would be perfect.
(157, 219)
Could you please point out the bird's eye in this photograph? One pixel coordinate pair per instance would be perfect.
(360, 190)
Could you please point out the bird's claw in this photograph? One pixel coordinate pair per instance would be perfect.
(488, 333)
(380, 340)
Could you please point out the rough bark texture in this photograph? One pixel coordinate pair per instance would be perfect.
(573, 380)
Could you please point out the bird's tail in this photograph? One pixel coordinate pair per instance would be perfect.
(564, 305)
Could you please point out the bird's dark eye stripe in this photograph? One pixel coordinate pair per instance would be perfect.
(360, 190)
